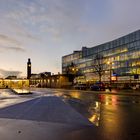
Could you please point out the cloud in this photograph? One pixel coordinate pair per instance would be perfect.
(43, 26)
(45, 18)
(14, 49)
(6, 73)
(16, 23)
(64, 20)
(8, 43)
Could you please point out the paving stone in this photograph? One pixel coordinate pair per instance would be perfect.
(47, 109)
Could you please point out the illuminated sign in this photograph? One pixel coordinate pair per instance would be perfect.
(114, 78)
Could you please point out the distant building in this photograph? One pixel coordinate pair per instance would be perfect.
(120, 60)
(45, 74)
(29, 69)
(40, 75)
(11, 77)
(50, 81)
(14, 83)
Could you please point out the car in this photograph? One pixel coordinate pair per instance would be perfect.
(80, 86)
(98, 87)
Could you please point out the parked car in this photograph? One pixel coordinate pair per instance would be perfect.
(80, 86)
(98, 86)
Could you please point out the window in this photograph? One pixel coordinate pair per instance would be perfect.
(137, 36)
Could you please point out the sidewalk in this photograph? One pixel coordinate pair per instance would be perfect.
(41, 118)
(130, 92)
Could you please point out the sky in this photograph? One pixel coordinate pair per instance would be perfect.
(46, 30)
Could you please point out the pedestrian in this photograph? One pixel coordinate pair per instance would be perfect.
(137, 86)
(109, 87)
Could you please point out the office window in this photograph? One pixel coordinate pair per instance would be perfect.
(126, 39)
(117, 42)
(137, 36)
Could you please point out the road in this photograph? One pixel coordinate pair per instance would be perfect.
(113, 117)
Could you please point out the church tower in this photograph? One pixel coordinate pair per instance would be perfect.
(28, 68)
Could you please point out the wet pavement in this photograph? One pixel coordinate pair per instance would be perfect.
(113, 117)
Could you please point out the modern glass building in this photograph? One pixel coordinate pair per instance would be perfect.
(120, 60)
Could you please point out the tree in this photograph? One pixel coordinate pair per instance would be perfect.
(98, 65)
(72, 71)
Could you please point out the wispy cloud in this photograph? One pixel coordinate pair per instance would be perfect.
(14, 49)
(5, 73)
(8, 43)
(70, 20)
(41, 26)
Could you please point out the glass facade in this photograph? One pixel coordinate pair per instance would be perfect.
(123, 54)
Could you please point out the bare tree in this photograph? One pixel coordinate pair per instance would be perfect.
(72, 71)
(69, 68)
(98, 65)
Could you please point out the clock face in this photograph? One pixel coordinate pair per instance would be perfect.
(29, 65)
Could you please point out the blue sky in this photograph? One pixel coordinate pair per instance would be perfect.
(46, 30)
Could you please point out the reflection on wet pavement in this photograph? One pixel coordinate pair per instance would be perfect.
(116, 116)
(94, 110)
(92, 106)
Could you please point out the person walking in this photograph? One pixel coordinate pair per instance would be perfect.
(137, 86)
(109, 87)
